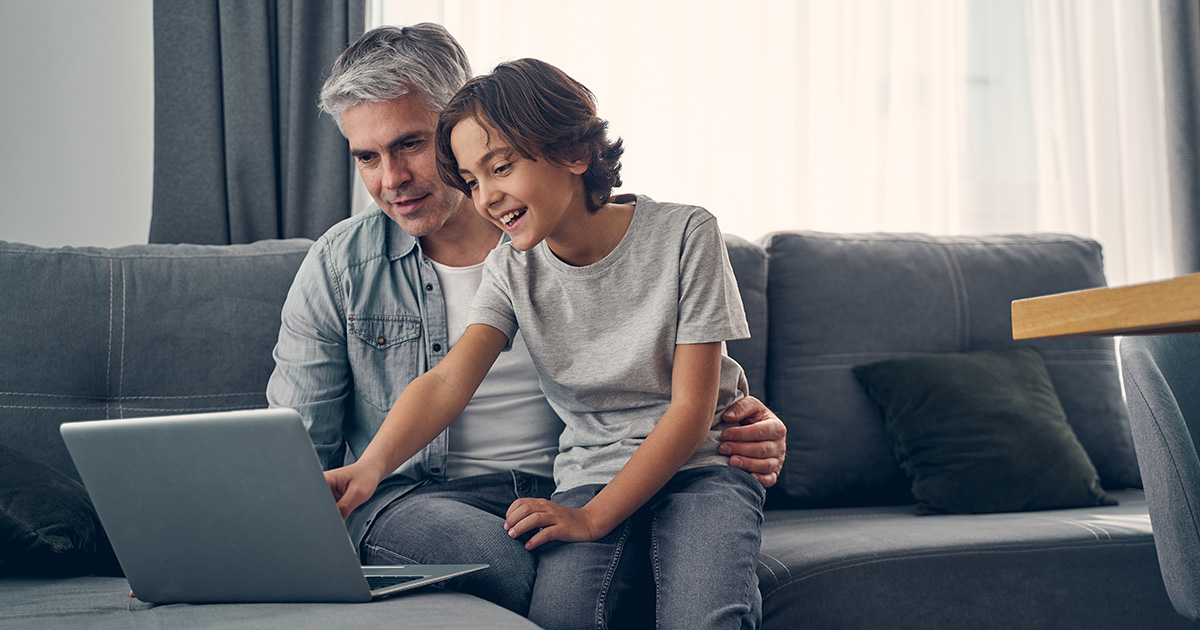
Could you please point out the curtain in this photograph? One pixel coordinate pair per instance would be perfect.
(1101, 138)
(240, 152)
(1181, 70)
(936, 116)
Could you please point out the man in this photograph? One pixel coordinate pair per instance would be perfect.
(380, 299)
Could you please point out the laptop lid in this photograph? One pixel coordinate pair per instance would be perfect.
(224, 507)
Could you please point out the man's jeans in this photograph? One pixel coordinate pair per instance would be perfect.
(701, 533)
(462, 521)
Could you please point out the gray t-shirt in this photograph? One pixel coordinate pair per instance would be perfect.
(603, 336)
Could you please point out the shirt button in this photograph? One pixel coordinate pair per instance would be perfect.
(437, 347)
(382, 340)
(429, 286)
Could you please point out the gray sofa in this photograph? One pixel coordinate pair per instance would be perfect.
(92, 333)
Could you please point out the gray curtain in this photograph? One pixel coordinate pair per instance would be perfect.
(240, 152)
(1181, 70)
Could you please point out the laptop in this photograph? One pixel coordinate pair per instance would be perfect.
(227, 507)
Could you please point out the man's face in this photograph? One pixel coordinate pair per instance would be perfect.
(393, 146)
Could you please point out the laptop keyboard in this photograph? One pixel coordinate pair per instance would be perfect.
(377, 582)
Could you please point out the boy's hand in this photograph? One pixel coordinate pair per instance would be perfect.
(759, 445)
(351, 487)
(556, 522)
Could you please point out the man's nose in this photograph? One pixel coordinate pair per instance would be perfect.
(396, 173)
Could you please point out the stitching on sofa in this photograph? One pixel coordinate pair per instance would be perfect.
(113, 256)
(86, 397)
(821, 572)
(954, 287)
(813, 519)
(777, 561)
(108, 366)
(966, 298)
(168, 409)
(124, 325)
(1079, 524)
(900, 237)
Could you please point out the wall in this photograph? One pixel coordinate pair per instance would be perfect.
(76, 121)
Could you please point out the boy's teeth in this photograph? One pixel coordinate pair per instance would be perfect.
(508, 218)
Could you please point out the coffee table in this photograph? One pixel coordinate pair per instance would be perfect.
(1152, 308)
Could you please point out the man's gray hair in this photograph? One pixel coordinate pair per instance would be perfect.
(389, 62)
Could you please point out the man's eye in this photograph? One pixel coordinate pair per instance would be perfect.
(410, 145)
(364, 159)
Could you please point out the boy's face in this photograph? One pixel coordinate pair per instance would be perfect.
(393, 147)
(528, 199)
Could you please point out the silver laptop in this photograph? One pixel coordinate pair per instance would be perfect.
(227, 507)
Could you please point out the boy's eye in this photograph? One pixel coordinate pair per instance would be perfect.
(472, 184)
(503, 168)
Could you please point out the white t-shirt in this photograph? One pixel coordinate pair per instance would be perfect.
(508, 425)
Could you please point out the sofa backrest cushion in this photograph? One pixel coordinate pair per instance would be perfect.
(750, 268)
(93, 333)
(840, 300)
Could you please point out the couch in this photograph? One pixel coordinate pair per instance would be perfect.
(854, 337)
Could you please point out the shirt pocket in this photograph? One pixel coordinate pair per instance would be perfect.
(385, 351)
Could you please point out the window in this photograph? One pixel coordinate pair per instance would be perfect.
(936, 116)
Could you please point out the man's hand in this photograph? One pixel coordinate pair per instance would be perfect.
(758, 446)
(556, 522)
(351, 487)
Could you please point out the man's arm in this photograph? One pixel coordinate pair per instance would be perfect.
(312, 371)
(424, 409)
(759, 445)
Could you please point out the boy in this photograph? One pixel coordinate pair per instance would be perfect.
(625, 309)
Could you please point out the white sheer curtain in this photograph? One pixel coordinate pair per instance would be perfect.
(1098, 97)
(937, 116)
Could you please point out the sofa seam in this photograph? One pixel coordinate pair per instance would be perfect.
(124, 325)
(111, 257)
(97, 398)
(108, 365)
(967, 552)
(134, 408)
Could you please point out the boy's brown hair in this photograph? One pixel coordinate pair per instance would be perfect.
(539, 111)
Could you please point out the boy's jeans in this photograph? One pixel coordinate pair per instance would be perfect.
(701, 533)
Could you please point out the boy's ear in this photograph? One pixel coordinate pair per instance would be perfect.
(580, 166)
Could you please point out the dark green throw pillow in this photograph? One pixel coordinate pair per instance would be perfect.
(981, 432)
(48, 526)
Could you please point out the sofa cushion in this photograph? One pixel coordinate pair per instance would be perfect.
(840, 300)
(133, 331)
(886, 567)
(48, 526)
(981, 432)
(749, 263)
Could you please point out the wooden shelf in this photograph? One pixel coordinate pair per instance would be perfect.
(1167, 306)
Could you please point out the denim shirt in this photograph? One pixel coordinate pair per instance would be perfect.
(364, 317)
